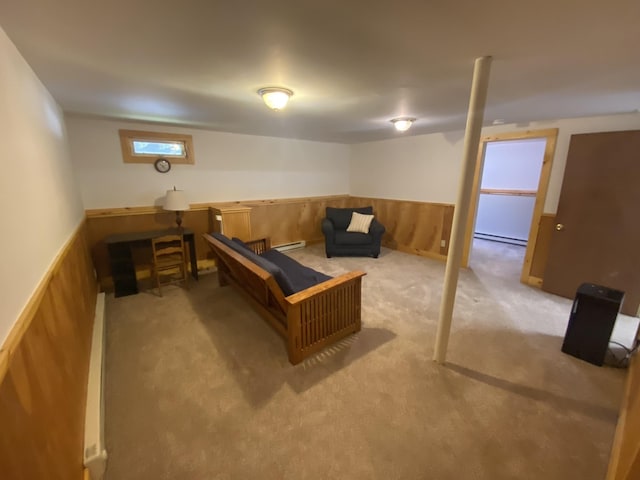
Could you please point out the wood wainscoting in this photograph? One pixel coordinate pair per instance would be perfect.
(282, 220)
(291, 220)
(420, 228)
(105, 222)
(551, 136)
(624, 463)
(541, 251)
(44, 364)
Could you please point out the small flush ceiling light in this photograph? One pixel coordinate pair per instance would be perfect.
(402, 124)
(275, 98)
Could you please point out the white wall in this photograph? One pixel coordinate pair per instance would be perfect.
(513, 165)
(227, 167)
(41, 203)
(423, 168)
(509, 165)
(505, 216)
(427, 167)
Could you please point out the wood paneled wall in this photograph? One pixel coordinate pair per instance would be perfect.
(102, 223)
(419, 228)
(413, 227)
(541, 253)
(43, 372)
(283, 220)
(624, 463)
(290, 220)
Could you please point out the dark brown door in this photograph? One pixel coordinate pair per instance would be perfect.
(597, 234)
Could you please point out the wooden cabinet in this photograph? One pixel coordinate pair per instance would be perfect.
(232, 221)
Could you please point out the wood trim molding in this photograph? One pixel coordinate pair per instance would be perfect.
(521, 135)
(624, 462)
(4, 363)
(152, 210)
(551, 136)
(543, 186)
(128, 136)
(280, 201)
(414, 202)
(534, 281)
(123, 211)
(515, 193)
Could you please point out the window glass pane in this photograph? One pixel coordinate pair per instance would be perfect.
(175, 149)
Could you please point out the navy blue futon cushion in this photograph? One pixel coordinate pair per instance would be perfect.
(227, 241)
(301, 277)
(277, 273)
(241, 243)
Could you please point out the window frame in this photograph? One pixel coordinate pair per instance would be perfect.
(127, 137)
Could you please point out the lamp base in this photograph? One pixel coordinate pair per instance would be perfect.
(179, 219)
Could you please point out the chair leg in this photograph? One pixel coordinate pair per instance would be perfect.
(185, 276)
(157, 275)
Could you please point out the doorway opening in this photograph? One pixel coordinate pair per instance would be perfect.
(509, 189)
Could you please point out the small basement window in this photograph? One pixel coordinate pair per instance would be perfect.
(147, 147)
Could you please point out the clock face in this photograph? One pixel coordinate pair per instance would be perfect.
(162, 165)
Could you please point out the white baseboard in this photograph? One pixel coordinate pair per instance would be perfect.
(95, 453)
(290, 246)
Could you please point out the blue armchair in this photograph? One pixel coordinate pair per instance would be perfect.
(339, 242)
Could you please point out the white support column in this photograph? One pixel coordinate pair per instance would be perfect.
(479, 86)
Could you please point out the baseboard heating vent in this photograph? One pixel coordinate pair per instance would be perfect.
(290, 246)
(95, 453)
(500, 238)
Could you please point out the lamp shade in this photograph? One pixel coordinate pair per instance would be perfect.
(176, 200)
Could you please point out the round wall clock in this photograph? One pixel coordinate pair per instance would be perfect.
(162, 165)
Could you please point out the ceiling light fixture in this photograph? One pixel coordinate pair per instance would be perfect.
(275, 98)
(402, 124)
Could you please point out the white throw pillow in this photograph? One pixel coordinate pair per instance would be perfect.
(360, 223)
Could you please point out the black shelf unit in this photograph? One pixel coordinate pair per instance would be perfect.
(591, 322)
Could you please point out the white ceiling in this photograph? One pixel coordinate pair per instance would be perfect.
(352, 64)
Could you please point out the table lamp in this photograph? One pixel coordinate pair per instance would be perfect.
(176, 201)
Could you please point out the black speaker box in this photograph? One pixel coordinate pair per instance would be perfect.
(591, 322)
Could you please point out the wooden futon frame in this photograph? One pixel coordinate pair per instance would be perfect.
(308, 320)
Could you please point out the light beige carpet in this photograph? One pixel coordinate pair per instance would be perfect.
(198, 386)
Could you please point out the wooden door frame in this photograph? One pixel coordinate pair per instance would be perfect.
(551, 136)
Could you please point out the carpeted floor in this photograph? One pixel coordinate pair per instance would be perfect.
(198, 386)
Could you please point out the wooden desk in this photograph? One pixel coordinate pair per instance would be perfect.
(123, 270)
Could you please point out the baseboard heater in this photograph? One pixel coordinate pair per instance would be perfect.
(290, 246)
(499, 238)
(95, 453)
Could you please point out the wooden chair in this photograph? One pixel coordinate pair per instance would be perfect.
(169, 255)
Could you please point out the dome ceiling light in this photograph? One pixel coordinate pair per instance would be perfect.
(402, 124)
(275, 98)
